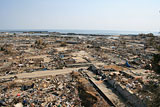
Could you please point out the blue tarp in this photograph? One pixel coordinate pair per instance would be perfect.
(44, 69)
(62, 56)
(127, 64)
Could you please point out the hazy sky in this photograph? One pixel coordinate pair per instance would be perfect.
(134, 15)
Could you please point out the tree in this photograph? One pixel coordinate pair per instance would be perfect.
(156, 63)
(155, 43)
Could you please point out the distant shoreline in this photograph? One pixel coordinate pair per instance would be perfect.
(82, 32)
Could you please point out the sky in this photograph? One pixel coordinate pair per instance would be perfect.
(128, 15)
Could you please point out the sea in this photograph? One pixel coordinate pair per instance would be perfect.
(98, 32)
(105, 32)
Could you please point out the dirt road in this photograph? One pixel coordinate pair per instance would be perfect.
(41, 73)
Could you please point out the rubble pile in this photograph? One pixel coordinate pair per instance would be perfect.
(61, 90)
(30, 54)
(130, 63)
